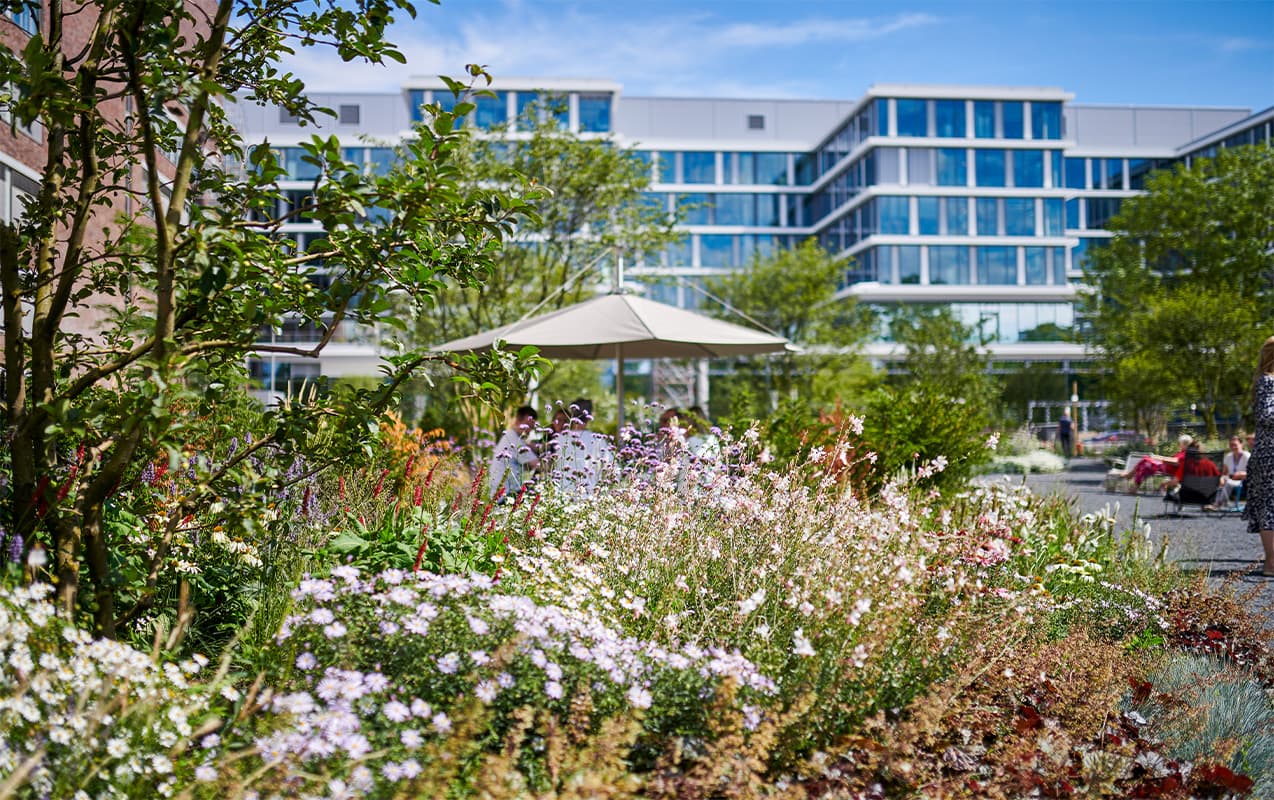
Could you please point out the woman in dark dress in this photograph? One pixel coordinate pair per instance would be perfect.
(1259, 512)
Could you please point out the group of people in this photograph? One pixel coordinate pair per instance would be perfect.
(575, 459)
(1190, 460)
(567, 453)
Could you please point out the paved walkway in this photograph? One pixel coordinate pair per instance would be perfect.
(1216, 544)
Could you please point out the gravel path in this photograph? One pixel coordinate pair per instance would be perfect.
(1213, 543)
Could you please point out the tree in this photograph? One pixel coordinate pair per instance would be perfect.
(185, 252)
(1183, 295)
(939, 406)
(792, 293)
(590, 209)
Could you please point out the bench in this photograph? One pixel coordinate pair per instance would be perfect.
(1195, 490)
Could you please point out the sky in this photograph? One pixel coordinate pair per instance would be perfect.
(1151, 52)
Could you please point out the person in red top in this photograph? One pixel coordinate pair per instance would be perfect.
(1191, 462)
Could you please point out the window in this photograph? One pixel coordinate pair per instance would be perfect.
(759, 168)
(927, 215)
(1076, 170)
(1036, 266)
(769, 209)
(1046, 120)
(299, 165)
(381, 159)
(1059, 266)
(908, 264)
(696, 209)
(535, 106)
(984, 119)
(736, 209)
(882, 117)
(349, 114)
(949, 118)
(988, 216)
(416, 99)
(887, 163)
(957, 211)
(665, 167)
(490, 111)
(989, 166)
(953, 167)
(1011, 120)
(1054, 221)
(594, 113)
(27, 17)
(894, 216)
(913, 117)
(948, 264)
(1019, 216)
(1073, 213)
(920, 166)
(355, 155)
(698, 167)
(1114, 173)
(288, 118)
(679, 253)
(756, 122)
(1055, 168)
(997, 266)
(1028, 168)
(716, 251)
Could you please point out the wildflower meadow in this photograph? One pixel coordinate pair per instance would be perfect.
(728, 625)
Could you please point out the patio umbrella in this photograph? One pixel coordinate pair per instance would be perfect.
(624, 326)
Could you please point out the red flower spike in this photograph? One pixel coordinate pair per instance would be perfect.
(380, 484)
(420, 554)
(340, 487)
(419, 498)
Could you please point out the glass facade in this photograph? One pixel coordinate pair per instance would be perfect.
(988, 165)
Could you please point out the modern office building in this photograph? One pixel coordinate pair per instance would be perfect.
(982, 198)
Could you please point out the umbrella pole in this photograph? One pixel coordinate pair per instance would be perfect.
(619, 384)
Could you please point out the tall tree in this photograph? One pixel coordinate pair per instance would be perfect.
(590, 210)
(151, 204)
(1183, 294)
(792, 292)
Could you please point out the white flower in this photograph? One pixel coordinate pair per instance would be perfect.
(449, 663)
(752, 603)
(306, 661)
(553, 689)
(478, 626)
(441, 723)
(486, 691)
(800, 644)
(411, 738)
(639, 697)
(395, 711)
(205, 773)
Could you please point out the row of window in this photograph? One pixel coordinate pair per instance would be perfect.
(927, 166)
(715, 251)
(1111, 173)
(999, 322)
(951, 216)
(960, 265)
(945, 119)
(728, 168)
(582, 112)
(761, 210)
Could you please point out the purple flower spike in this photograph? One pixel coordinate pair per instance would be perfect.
(15, 549)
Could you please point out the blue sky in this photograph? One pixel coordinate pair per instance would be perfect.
(1218, 53)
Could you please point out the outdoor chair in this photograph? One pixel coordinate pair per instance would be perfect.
(1195, 490)
(1116, 482)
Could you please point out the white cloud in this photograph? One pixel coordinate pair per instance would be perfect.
(688, 53)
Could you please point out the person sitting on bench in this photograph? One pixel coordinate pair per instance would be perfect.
(1193, 462)
(1153, 465)
(1233, 473)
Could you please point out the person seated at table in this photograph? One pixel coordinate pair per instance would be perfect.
(1233, 473)
(1192, 462)
(1153, 465)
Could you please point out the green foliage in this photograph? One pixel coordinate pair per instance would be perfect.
(942, 405)
(191, 261)
(1182, 295)
(792, 293)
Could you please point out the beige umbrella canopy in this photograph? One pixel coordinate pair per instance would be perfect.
(624, 326)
